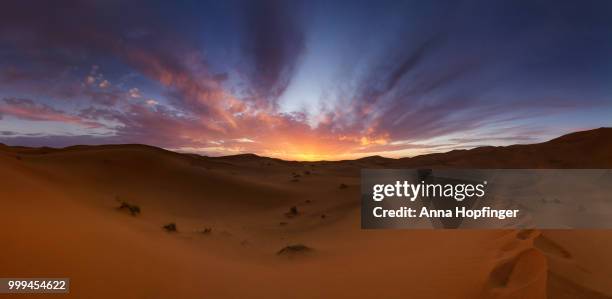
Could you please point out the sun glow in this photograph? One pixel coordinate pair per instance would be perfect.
(309, 157)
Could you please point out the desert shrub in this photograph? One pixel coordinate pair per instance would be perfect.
(131, 208)
(170, 227)
(293, 211)
(134, 210)
(343, 186)
(294, 249)
(206, 230)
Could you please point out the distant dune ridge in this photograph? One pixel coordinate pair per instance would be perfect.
(63, 215)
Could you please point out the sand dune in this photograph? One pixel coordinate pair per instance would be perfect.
(60, 217)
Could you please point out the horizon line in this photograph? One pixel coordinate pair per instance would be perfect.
(289, 160)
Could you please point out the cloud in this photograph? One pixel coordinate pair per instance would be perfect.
(201, 108)
(274, 42)
(135, 93)
(446, 77)
(57, 140)
(29, 110)
(104, 84)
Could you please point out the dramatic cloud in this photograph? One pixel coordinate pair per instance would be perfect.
(28, 110)
(391, 78)
(274, 43)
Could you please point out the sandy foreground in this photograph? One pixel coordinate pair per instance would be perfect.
(60, 218)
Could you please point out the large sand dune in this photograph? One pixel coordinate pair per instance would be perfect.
(60, 218)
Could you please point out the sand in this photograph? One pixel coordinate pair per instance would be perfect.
(60, 218)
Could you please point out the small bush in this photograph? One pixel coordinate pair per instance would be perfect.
(294, 249)
(170, 227)
(132, 209)
(293, 211)
(206, 231)
(343, 186)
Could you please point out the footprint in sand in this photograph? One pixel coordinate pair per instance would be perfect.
(518, 241)
(523, 276)
(558, 286)
(522, 271)
(551, 248)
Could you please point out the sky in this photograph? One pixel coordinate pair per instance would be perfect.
(304, 80)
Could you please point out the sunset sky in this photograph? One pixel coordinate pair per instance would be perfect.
(303, 80)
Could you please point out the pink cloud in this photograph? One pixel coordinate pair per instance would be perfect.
(28, 110)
